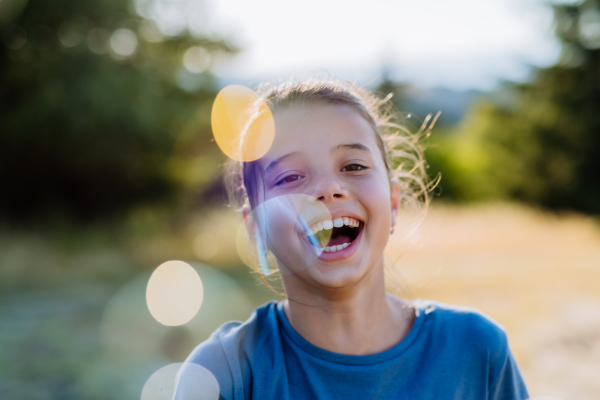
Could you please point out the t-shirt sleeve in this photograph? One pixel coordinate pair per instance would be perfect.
(205, 374)
(506, 382)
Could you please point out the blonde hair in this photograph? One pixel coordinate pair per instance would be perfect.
(401, 149)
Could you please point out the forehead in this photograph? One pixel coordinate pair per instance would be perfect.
(317, 127)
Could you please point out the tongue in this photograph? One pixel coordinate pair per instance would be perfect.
(339, 239)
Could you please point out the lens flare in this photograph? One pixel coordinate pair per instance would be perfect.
(130, 335)
(253, 253)
(97, 40)
(196, 59)
(242, 123)
(278, 234)
(161, 384)
(123, 42)
(191, 381)
(174, 293)
(205, 246)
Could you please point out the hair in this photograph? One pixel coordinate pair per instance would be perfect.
(401, 149)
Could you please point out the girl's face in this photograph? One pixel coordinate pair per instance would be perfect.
(327, 155)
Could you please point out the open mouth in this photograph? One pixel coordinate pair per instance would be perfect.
(335, 235)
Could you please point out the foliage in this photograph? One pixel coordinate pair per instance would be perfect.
(543, 147)
(90, 128)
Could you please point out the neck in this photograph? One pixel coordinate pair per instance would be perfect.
(359, 320)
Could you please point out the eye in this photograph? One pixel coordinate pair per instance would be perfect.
(288, 179)
(354, 167)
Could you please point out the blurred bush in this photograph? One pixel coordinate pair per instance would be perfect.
(537, 142)
(101, 108)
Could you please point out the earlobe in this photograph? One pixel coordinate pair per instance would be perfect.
(394, 199)
(256, 238)
(248, 219)
(246, 212)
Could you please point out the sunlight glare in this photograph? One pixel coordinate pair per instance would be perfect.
(123, 42)
(174, 293)
(205, 246)
(194, 383)
(282, 225)
(242, 123)
(196, 59)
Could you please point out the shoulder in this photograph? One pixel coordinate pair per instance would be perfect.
(472, 338)
(224, 354)
(233, 334)
(463, 325)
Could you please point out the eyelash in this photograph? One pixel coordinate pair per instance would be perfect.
(282, 181)
(360, 167)
(298, 177)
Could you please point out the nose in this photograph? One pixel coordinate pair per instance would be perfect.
(328, 189)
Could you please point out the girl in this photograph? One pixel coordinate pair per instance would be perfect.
(322, 202)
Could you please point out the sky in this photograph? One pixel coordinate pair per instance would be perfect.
(459, 44)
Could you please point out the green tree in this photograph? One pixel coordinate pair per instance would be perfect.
(97, 112)
(542, 147)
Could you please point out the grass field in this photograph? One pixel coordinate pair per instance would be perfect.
(73, 321)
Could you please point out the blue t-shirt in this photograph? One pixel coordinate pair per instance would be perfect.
(450, 352)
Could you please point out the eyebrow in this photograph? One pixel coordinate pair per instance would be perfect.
(351, 146)
(279, 160)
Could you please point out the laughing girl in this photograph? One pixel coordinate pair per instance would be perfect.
(322, 203)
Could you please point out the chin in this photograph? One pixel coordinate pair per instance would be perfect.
(339, 277)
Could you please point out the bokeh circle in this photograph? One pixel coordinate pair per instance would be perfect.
(174, 293)
(242, 123)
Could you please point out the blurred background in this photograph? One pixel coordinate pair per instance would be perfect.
(108, 169)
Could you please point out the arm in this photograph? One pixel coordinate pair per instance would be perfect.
(505, 378)
(205, 374)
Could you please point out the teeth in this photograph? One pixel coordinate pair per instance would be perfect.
(338, 223)
(333, 249)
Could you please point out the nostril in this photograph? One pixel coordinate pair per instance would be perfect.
(335, 196)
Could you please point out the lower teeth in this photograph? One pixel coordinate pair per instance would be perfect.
(333, 249)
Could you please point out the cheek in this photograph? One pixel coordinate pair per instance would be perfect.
(284, 222)
(278, 219)
(375, 195)
(276, 223)
(284, 242)
(280, 225)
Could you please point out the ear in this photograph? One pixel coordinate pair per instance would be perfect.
(248, 219)
(256, 237)
(394, 199)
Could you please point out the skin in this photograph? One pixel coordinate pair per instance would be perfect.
(328, 154)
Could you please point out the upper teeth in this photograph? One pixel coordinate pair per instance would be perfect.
(338, 223)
